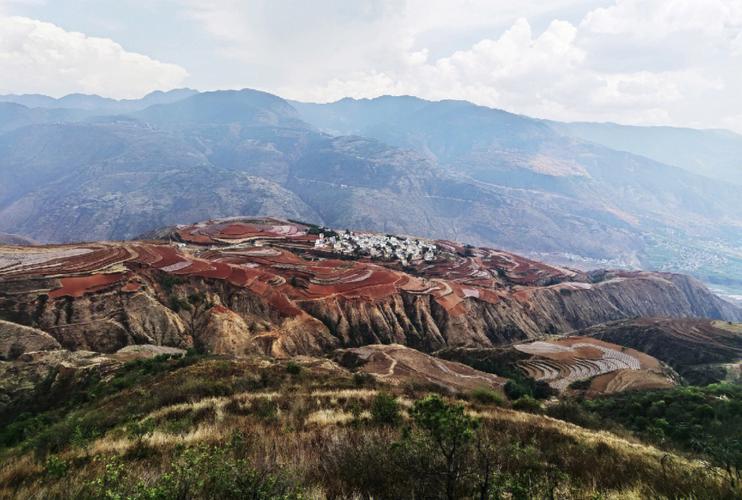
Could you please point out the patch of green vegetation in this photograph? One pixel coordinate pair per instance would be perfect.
(265, 445)
(385, 410)
(293, 368)
(581, 385)
(169, 281)
(502, 362)
(58, 414)
(705, 420)
(485, 396)
(523, 386)
(195, 472)
(363, 379)
(528, 404)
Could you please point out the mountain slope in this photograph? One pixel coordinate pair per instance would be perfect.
(501, 148)
(56, 174)
(712, 153)
(697, 348)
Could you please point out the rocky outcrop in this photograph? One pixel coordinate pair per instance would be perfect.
(225, 332)
(242, 322)
(148, 319)
(40, 377)
(16, 340)
(419, 321)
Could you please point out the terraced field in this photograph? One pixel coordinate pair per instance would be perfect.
(290, 294)
(270, 254)
(701, 350)
(564, 361)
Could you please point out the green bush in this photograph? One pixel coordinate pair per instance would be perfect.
(571, 411)
(385, 410)
(55, 467)
(487, 396)
(445, 433)
(199, 472)
(515, 390)
(528, 404)
(363, 379)
(293, 368)
(581, 385)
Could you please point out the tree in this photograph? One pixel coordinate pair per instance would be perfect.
(451, 432)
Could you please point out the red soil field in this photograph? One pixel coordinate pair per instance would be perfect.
(77, 286)
(277, 260)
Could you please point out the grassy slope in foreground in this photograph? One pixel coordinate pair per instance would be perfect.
(195, 426)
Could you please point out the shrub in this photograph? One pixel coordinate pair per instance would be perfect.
(515, 390)
(571, 411)
(542, 390)
(363, 379)
(366, 464)
(487, 396)
(55, 467)
(581, 385)
(385, 410)
(264, 409)
(293, 368)
(446, 431)
(199, 472)
(528, 404)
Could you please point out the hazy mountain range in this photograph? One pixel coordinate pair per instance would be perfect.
(591, 195)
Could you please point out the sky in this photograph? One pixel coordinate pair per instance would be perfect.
(657, 62)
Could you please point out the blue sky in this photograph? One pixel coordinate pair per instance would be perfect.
(676, 62)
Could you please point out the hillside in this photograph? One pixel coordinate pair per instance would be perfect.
(208, 427)
(12, 239)
(699, 349)
(712, 153)
(641, 195)
(298, 294)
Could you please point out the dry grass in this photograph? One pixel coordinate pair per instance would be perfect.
(329, 417)
(294, 431)
(730, 327)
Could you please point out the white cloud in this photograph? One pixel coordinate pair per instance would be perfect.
(41, 57)
(632, 61)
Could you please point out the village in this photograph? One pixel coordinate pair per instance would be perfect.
(378, 246)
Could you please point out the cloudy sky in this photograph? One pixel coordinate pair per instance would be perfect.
(676, 62)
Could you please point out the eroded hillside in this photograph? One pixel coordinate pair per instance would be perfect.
(268, 286)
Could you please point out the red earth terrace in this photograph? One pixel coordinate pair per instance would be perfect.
(272, 256)
(271, 272)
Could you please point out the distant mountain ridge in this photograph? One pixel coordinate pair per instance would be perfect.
(92, 102)
(446, 169)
